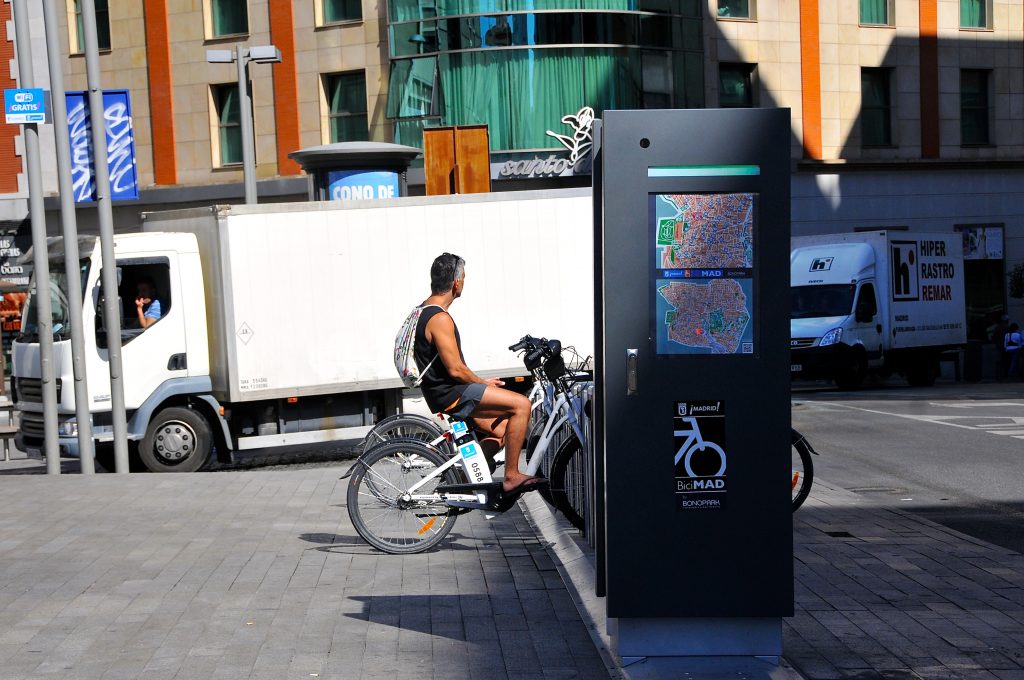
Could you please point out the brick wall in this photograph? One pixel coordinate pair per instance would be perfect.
(10, 162)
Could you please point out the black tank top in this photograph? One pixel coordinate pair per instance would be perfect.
(439, 388)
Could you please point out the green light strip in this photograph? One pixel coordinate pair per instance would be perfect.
(703, 170)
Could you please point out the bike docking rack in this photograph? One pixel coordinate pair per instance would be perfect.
(692, 445)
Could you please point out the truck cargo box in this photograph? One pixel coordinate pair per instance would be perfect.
(306, 298)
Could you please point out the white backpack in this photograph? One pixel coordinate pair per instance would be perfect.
(405, 349)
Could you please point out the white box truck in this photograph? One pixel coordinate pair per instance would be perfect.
(278, 321)
(883, 301)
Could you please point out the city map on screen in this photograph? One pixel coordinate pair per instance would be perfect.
(704, 267)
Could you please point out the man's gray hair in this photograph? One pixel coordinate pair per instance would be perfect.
(446, 270)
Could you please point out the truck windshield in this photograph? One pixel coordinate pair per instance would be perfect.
(812, 302)
(61, 315)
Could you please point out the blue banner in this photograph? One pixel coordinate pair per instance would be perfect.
(355, 185)
(117, 116)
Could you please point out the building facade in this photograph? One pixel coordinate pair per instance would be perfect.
(905, 113)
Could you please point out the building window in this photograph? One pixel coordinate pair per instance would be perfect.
(736, 86)
(228, 140)
(974, 111)
(227, 17)
(102, 27)
(876, 12)
(346, 107)
(975, 13)
(736, 9)
(876, 107)
(333, 11)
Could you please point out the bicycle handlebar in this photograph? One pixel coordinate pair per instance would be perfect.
(526, 342)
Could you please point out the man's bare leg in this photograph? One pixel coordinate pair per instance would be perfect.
(513, 409)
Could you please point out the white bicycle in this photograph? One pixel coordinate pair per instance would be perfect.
(417, 475)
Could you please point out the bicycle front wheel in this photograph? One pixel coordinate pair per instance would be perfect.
(568, 482)
(381, 508)
(803, 470)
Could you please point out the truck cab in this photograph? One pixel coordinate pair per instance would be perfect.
(168, 355)
(835, 320)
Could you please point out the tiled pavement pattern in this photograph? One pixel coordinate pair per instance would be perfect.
(882, 593)
(259, 574)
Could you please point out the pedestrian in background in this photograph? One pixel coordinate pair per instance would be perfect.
(998, 339)
(1012, 345)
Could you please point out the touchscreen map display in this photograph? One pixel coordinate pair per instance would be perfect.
(703, 272)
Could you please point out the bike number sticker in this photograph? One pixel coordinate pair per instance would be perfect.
(700, 455)
(474, 463)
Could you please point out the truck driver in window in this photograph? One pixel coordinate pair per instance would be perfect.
(146, 305)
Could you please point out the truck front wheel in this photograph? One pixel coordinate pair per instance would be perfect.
(178, 440)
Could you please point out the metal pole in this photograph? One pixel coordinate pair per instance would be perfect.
(245, 116)
(40, 252)
(111, 302)
(70, 230)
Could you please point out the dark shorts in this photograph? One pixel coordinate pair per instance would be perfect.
(467, 402)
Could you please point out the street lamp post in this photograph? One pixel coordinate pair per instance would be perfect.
(241, 55)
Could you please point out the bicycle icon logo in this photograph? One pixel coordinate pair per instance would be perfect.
(694, 446)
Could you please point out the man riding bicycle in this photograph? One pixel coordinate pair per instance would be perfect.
(450, 387)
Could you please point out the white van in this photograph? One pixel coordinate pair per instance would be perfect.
(881, 301)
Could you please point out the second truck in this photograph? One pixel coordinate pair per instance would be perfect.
(881, 302)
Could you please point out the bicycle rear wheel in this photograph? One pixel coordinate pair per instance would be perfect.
(568, 482)
(377, 503)
(803, 470)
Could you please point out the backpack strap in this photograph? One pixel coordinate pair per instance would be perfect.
(426, 368)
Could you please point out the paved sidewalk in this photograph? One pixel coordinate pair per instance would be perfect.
(884, 593)
(259, 574)
(880, 594)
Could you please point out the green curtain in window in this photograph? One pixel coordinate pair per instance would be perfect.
(349, 129)
(874, 11)
(342, 10)
(734, 8)
(229, 125)
(347, 93)
(475, 90)
(548, 84)
(229, 17)
(611, 80)
(521, 94)
(972, 13)
(347, 102)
